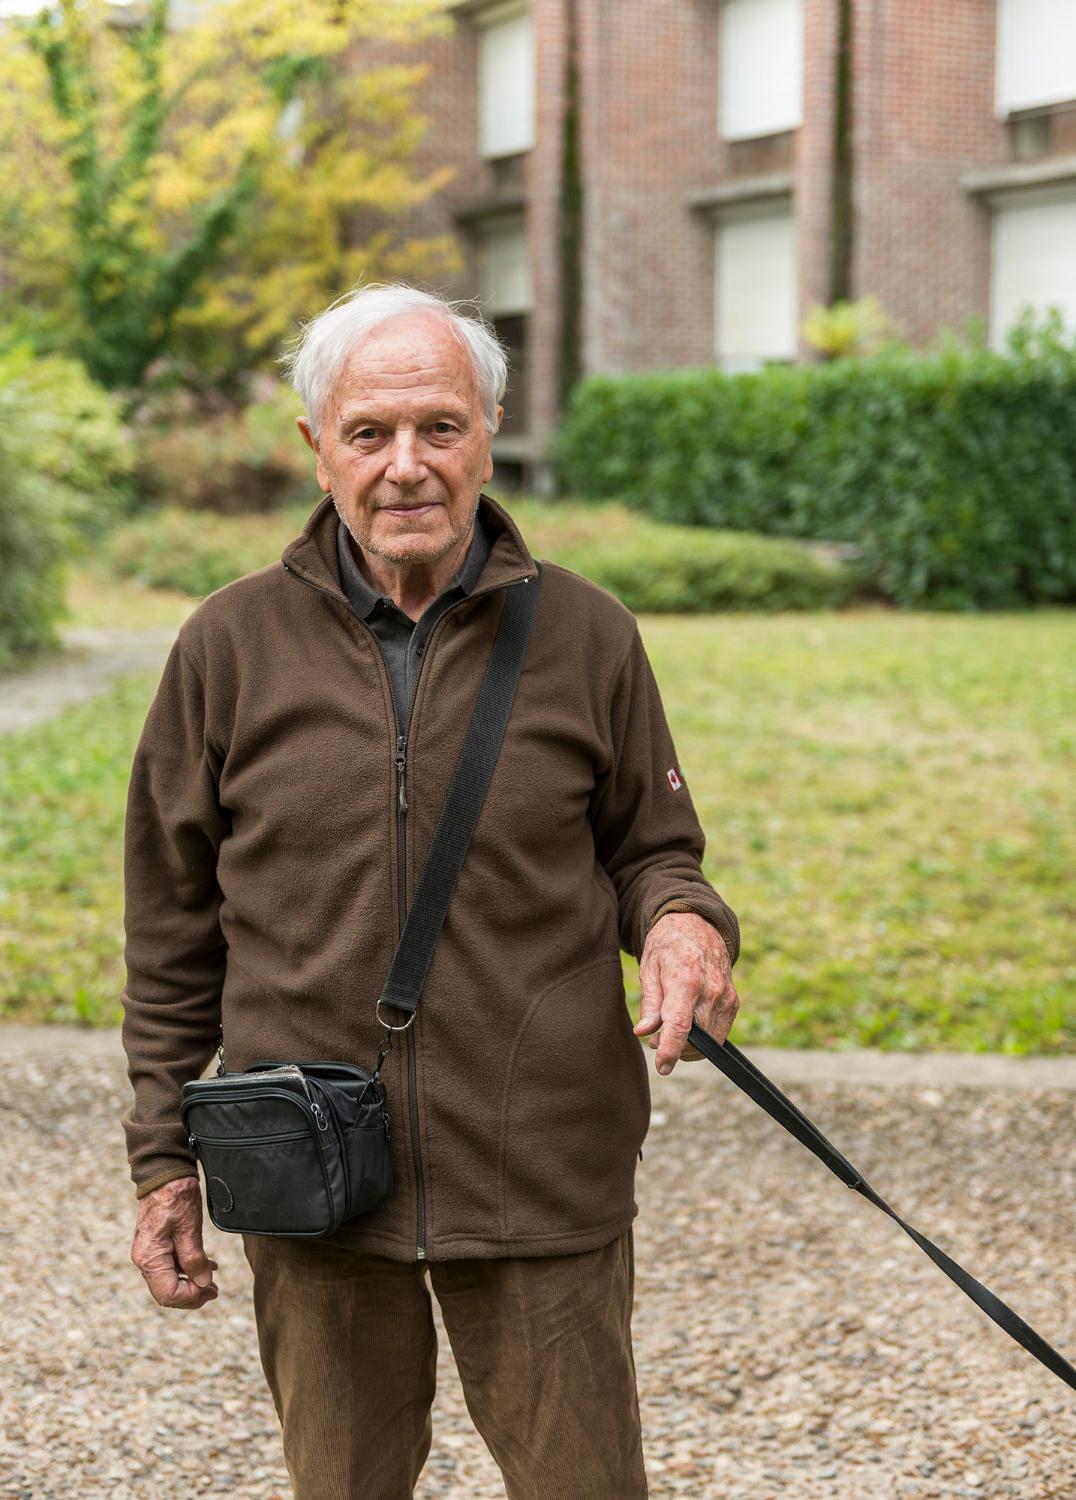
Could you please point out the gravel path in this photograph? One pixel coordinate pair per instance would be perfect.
(90, 659)
(790, 1341)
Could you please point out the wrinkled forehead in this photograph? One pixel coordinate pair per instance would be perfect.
(412, 360)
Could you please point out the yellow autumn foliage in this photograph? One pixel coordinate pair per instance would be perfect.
(317, 97)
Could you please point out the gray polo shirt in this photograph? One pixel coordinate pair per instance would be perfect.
(402, 639)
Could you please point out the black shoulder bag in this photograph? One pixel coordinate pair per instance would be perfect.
(741, 1071)
(295, 1149)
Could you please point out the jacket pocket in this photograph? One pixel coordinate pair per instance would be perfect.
(576, 1109)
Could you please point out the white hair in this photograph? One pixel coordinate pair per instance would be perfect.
(314, 363)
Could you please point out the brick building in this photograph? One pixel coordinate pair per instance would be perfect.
(646, 184)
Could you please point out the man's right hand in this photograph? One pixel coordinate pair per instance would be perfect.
(167, 1246)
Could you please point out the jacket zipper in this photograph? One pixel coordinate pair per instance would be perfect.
(408, 1035)
(410, 1045)
(400, 762)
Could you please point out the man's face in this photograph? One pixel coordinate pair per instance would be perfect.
(404, 449)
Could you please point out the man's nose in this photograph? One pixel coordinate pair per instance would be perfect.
(406, 466)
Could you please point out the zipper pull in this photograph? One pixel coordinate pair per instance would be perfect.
(316, 1109)
(401, 773)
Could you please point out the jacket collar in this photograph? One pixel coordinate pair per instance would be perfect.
(312, 555)
(365, 599)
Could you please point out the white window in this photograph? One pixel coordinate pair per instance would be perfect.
(504, 272)
(1036, 53)
(505, 80)
(760, 67)
(756, 293)
(1034, 256)
(19, 8)
(182, 14)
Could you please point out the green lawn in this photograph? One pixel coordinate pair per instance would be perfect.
(890, 808)
(889, 804)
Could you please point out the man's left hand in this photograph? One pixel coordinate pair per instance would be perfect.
(686, 976)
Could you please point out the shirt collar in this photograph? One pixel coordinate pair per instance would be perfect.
(364, 599)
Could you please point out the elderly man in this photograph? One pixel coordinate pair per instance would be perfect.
(284, 792)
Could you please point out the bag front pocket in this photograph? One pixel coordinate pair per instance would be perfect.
(272, 1184)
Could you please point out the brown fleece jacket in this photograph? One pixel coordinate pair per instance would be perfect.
(267, 864)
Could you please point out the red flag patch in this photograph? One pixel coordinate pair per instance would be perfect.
(673, 777)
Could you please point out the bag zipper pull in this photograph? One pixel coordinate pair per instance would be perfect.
(318, 1114)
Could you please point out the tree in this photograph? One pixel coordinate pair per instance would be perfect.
(174, 194)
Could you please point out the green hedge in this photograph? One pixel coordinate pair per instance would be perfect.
(675, 570)
(953, 473)
(651, 566)
(65, 462)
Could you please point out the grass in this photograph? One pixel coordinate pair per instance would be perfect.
(890, 810)
(97, 598)
(888, 798)
(62, 799)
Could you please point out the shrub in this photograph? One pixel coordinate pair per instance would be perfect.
(675, 569)
(953, 473)
(651, 567)
(197, 551)
(65, 461)
(229, 461)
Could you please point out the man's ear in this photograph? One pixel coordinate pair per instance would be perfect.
(487, 473)
(312, 443)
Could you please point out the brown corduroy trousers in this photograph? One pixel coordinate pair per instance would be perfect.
(542, 1345)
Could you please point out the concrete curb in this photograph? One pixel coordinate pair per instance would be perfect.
(864, 1068)
(854, 1069)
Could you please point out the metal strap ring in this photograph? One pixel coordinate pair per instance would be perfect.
(406, 1024)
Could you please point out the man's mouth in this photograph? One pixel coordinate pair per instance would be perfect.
(408, 510)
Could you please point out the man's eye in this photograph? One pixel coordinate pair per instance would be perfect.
(443, 427)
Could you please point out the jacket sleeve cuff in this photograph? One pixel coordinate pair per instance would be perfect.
(714, 911)
(168, 1174)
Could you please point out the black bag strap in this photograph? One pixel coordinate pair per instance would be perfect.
(466, 796)
(742, 1072)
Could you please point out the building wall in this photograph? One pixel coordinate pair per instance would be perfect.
(448, 99)
(814, 151)
(924, 112)
(658, 178)
(649, 76)
(543, 218)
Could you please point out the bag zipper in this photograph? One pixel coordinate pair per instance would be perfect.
(400, 763)
(330, 1106)
(254, 1140)
(238, 1095)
